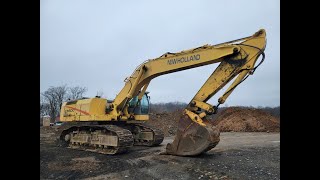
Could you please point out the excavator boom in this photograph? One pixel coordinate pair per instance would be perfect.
(237, 58)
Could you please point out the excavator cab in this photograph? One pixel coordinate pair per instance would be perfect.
(139, 107)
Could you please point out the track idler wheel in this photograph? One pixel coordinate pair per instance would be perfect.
(192, 138)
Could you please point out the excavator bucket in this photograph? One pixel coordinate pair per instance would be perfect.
(192, 138)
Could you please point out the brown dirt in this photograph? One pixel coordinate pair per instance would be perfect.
(239, 119)
(167, 122)
(236, 119)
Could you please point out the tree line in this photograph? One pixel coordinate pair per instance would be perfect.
(52, 99)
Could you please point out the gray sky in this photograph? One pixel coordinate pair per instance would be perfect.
(97, 44)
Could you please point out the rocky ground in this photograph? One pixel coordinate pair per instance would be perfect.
(239, 155)
(249, 148)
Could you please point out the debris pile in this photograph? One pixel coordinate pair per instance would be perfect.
(240, 119)
(236, 119)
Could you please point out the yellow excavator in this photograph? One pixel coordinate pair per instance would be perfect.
(113, 126)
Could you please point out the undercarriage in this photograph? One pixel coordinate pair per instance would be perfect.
(109, 139)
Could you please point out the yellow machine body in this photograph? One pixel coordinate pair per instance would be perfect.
(92, 109)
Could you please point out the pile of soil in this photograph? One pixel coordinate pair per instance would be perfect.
(167, 122)
(236, 119)
(240, 119)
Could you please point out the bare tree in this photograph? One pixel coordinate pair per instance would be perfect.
(50, 97)
(76, 92)
(44, 106)
(54, 97)
(60, 94)
(42, 101)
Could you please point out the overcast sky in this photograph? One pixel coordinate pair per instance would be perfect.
(97, 44)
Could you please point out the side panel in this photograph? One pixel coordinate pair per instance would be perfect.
(92, 109)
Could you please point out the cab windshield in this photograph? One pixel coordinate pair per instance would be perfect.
(141, 107)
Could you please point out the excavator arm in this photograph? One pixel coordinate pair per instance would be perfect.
(196, 134)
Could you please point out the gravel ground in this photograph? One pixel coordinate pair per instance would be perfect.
(239, 155)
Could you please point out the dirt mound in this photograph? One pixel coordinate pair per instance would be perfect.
(240, 119)
(167, 122)
(237, 119)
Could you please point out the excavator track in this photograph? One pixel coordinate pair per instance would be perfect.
(145, 135)
(105, 139)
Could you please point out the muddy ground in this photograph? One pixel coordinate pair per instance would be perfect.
(239, 155)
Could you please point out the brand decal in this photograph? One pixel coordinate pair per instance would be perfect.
(184, 59)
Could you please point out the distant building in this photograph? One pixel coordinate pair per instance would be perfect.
(46, 121)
